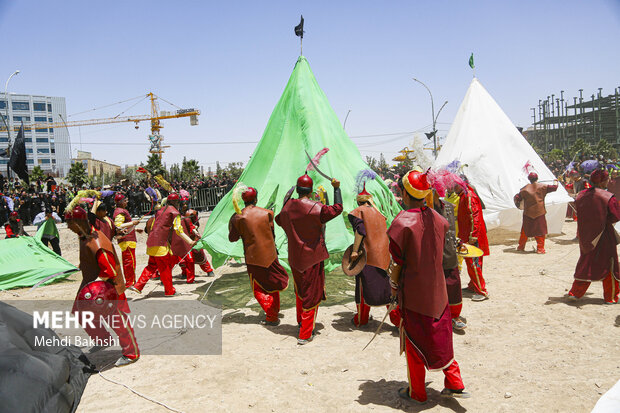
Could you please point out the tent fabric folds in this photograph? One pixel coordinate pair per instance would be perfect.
(303, 120)
(493, 153)
(25, 261)
(37, 378)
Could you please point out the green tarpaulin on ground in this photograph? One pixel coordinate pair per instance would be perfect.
(25, 261)
(303, 120)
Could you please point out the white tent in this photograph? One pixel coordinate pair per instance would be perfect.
(494, 153)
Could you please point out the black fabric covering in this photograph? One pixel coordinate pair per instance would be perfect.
(48, 379)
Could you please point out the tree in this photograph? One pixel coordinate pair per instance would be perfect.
(154, 165)
(373, 164)
(606, 149)
(555, 155)
(581, 148)
(37, 173)
(131, 175)
(77, 174)
(190, 170)
(234, 170)
(218, 169)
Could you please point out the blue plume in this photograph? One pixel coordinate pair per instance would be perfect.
(363, 176)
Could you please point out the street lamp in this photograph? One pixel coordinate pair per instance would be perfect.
(433, 133)
(8, 120)
(344, 125)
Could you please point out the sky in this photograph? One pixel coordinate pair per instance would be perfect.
(232, 60)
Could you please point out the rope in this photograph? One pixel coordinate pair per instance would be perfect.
(129, 108)
(105, 106)
(172, 409)
(170, 103)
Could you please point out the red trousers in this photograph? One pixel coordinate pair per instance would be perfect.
(188, 268)
(269, 302)
(305, 319)
(129, 266)
(540, 243)
(610, 289)
(121, 326)
(476, 280)
(162, 265)
(206, 267)
(417, 374)
(455, 310)
(363, 312)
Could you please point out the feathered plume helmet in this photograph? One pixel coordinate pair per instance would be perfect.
(443, 180)
(530, 171)
(82, 197)
(360, 184)
(240, 188)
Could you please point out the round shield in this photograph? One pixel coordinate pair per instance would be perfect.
(469, 251)
(100, 297)
(354, 267)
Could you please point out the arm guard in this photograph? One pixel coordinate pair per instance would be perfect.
(337, 196)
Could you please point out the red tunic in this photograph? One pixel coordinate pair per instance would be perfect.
(131, 236)
(471, 221)
(303, 222)
(106, 226)
(417, 243)
(598, 210)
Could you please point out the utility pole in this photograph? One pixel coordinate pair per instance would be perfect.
(433, 133)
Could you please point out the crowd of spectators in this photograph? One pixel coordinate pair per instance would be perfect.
(30, 200)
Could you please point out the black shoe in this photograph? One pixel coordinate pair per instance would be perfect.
(210, 274)
(459, 394)
(270, 323)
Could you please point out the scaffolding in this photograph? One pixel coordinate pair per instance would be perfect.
(558, 124)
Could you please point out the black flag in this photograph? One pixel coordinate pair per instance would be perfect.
(299, 29)
(18, 156)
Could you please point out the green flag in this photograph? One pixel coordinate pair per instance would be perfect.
(471, 61)
(303, 120)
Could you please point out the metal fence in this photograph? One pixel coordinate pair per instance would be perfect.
(201, 200)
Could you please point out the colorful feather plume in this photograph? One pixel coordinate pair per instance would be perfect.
(163, 183)
(528, 167)
(240, 188)
(77, 199)
(316, 159)
(184, 193)
(453, 166)
(362, 177)
(443, 181)
(151, 195)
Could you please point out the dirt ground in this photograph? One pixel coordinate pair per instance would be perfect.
(527, 349)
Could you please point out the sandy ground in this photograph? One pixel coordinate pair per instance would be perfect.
(527, 349)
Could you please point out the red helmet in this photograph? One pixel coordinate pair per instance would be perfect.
(416, 184)
(532, 176)
(574, 172)
(305, 181)
(99, 296)
(173, 197)
(13, 214)
(118, 197)
(249, 195)
(598, 176)
(76, 213)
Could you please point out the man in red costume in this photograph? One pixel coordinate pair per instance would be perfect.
(166, 239)
(101, 221)
(98, 261)
(473, 230)
(127, 243)
(303, 222)
(205, 265)
(14, 227)
(254, 225)
(534, 220)
(372, 285)
(598, 210)
(416, 245)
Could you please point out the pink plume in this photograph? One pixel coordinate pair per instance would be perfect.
(443, 180)
(528, 167)
(317, 158)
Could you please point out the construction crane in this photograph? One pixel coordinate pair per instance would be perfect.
(155, 138)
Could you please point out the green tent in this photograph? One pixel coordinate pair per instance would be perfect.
(303, 120)
(25, 261)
